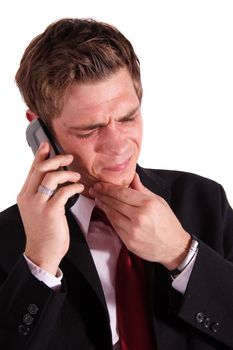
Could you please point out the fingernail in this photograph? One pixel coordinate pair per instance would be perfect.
(82, 187)
(42, 145)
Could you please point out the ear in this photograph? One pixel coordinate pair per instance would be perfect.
(30, 115)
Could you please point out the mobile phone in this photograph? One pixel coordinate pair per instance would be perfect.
(36, 133)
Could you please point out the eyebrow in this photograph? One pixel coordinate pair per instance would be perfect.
(98, 125)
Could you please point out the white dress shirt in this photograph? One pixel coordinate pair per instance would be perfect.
(105, 246)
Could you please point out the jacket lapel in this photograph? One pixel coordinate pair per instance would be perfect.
(154, 183)
(80, 256)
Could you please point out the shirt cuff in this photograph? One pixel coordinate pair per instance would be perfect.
(53, 282)
(181, 281)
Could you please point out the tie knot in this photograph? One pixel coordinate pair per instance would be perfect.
(99, 215)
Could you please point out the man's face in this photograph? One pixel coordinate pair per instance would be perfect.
(101, 125)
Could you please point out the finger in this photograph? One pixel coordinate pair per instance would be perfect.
(122, 194)
(41, 169)
(55, 163)
(54, 179)
(137, 185)
(116, 205)
(119, 221)
(64, 193)
(41, 154)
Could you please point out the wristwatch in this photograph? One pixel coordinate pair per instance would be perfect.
(188, 258)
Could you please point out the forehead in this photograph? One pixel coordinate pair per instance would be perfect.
(113, 95)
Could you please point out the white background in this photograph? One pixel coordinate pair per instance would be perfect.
(186, 53)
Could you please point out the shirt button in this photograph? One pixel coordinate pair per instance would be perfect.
(199, 317)
(206, 322)
(215, 327)
(33, 309)
(28, 319)
(23, 330)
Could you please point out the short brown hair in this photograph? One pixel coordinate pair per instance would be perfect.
(72, 50)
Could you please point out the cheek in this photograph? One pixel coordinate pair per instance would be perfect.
(132, 132)
(82, 151)
(83, 155)
(136, 134)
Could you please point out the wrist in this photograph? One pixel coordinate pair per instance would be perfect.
(177, 251)
(43, 262)
(192, 251)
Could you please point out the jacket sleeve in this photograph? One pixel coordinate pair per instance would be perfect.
(28, 310)
(208, 300)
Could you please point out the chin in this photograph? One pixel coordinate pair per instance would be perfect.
(124, 180)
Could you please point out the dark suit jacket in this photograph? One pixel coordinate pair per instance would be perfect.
(34, 317)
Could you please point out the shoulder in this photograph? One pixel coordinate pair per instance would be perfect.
(187, 180)
(10, 216)
(12, 236)
(174, 178)
(183, 185)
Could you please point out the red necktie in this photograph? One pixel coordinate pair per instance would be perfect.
(99, 215)
(134, 319)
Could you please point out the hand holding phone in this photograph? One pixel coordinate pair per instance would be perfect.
(36, 133)
(43, 216)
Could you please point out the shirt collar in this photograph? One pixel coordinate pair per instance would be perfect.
(82, 211)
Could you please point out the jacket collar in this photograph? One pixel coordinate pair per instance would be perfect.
(151, 180)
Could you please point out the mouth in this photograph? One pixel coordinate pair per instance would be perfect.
(118, 167)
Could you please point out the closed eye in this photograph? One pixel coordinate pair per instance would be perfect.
(129, 118)
(87, 135)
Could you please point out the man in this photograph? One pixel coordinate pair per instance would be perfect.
(60, 271)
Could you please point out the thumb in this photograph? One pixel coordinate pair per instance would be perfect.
(137, 185)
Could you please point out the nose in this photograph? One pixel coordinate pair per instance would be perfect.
(112, 142)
